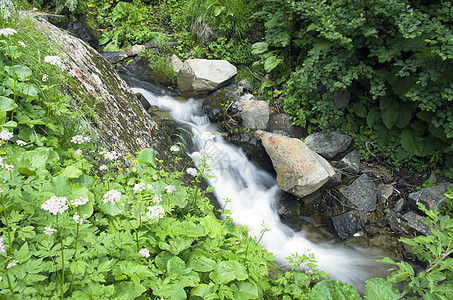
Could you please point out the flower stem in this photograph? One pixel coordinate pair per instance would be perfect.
(7, 227)
(9, 282)
(62, 259)
(74, 259)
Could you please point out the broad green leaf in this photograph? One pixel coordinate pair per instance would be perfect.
(71, 172)
(244, 291)
(223, 273)
(179, 197)
(259, 47)
(334, 290)
(23, 254)
(412, 142)
(266, 84)
(78, 267)
(380, 289)
(146, 156)
(128, 290)
(59, 186)
(21, 72)
(271, 63)
(162, 259)
(404, 117)
(321, 44)
(28, 91)
(7, 104)
(189, 229)
(203, 291)
(10, 124)
(372, 116)
(239, 270)
(110, 209)
(312, 26)
(172, 291)
(390, 114)
(201, 263)
(359, 109)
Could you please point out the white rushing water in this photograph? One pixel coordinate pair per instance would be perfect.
(252, 192)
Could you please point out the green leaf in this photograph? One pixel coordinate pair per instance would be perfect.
(146, 156)
(201, 263)
(128, 290)
(372, 116)
(390, 114)
(334, 290)
(223, 273)
(259, 48)
(78, 268)
(380, 289)
(21, 73)
(203, 291)
(404, 117)
(175, 265)
(411, 141)
(59, 186)
(7, 104)
(239, 270)
(244, 291)
(271, 63)
(71, 172)
(311, 27)
(359, 109)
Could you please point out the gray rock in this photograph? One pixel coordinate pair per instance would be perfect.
(399, 205)
(328, 145)
(361, 193)
(134, 50)
(431, 197)
(216, 103)
(394, 222)
(283, 122)
(246, 85)
(347, 224)
(201, 76)
(255, 114)
(384, 191)
(115, 56)
(300, 171)
(352, 161)
(237, 106)
(176, 63)
(415, 221)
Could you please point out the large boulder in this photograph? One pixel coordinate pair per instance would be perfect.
(300, 171)
(255, 114)
(361, 193)
(117, 119)
(201, 76)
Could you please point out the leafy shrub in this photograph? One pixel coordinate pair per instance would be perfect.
(393, 59)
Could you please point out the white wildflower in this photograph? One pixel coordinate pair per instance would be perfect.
(7, 31)
(77, 219)
(55, 205)
(268, 223)
(192, 171)
(5, 135)
(103, 168)
(49, 230)
(79, 202)
(157, 199)
(170, 189)
(12, 264)
(21, 143)
(112, 196)
(78, 152)
(53, 60)
(80, 139)
(2, 248)
(174, 149)
(139, 187)
(45, 77)
(22, 44)
(155, 212)
(144, 252)
(206, 136)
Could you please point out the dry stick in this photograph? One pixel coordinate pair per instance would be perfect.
(253, 74)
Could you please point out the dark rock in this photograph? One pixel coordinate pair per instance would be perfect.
(361, 193)
(347, 224)
(114, 56)
(85, 33)
(288, 209)
(328, 145)
(415, 221)
(141, 68)
(394, 222)
(384, 191)
(151, 45)
(351, 162)
(283, 122)
(431, 197)
(217, 103)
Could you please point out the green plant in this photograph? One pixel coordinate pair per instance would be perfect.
(447, 207)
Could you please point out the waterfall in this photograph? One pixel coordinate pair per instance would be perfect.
(251, 195)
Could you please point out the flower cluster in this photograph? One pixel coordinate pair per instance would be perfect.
(22, 44)
(53, 60)
(2, 248)
(12, 264)
(49, 230)
(110, 155)
(80, 139)
(77, 219)
(5, 166)
(5, 135)
(103, 168)
(139, 187)
(78, 152)
(79, 201)
(144, 252)
(7, 31)
(21, 143)
(157, 199)
(174, 149)
(192, 171)
(206, 136)
(155, 212)
(45, 77)
(170, 189)
(55, 205)
(112, 196)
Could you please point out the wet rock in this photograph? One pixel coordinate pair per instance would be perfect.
(431, 197)
(328, 145)
(201, 76)
(114, 56)
(283, 122)
(255, 114)
(215, 105)
(134, 50)
(300, 171)
(381, 241)
(361, 193)
(415, 221)
(347, 224)
(394, 222)
(142, 68)
(288, 209)
(85, 33)
(351, 162)
(384, 191)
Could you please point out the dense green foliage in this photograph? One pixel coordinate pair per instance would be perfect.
(391, 59)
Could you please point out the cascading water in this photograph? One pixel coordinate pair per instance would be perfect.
(251, 195)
